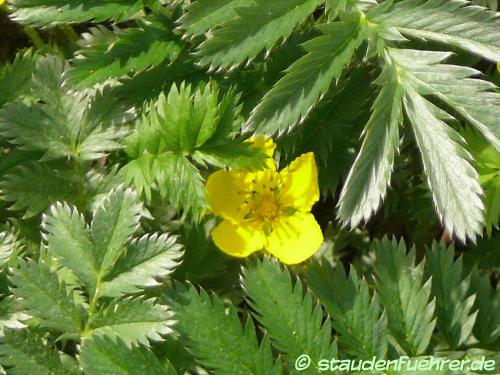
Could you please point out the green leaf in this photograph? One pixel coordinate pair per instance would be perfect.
(367, 182)
(455, 318)
(132, 320)
(293, 97)
(149, 84)
(187, 125)
(492, 203)
(46, 298)
(11, 316)
(51, 12)
(215, 336)
(293, 321)
(358, 319)
(474, 99)
(487, 304)
(258, 26)
(33, 189)
(405, 295)
(59, 122)
(487, 163)
(147, 259)
(134, 50)
(203, 262)
(181, 183)
(105, 356)
(333, 129)
(451, 178)
(8, 245)
(452, 22)
(15, 78)
(115, 220)
(69, 243)
(29, 355)
(204, 15)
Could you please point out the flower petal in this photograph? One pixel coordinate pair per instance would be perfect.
(295, 238)
(226, 194)
(238, 240)
(267, 145)
(300, 183)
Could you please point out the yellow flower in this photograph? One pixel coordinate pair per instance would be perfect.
(267, 209)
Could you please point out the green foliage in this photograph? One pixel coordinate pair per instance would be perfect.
(33, 188)
(456, 190)
(184, 127)
(50, 12)
(355, 315)
(449, 22)
(293, 321)
(258, 26)
(132, 50)
(454, 307)
(487, 303)
(29, 355)
(9, 245)
(405, 294)
(370, 174)
(487, 163)
(204, 15)
(133, 321)
(113, 114)
(47, 299)
(107, 357)
(15, 78)
(61, 124)
(216, 338)
(308, 78)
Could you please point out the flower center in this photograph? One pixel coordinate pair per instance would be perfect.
(266, 208)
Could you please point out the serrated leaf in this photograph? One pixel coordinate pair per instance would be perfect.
(147, 259)
(333, 129)
(487, 326)
(134, 50)
(11, 316)
(32, 189)
(29, 355)
(134, 321)
(8, 245)
(367, 182)
(183, 126)
(451, 178)
(258, 26)
(15, 78)
(292, 98)
(46, 298)
(68, 241)
(293, 321)
(58, 123)
(115, 220)
(405, 295)
(357, 317)
(180, 181)
(104, 356)
(455, 318)
(487, 163)
(203, 15)
(454, 22)
(492, 203)
(474, 99)
(51, 12)
(216, 337)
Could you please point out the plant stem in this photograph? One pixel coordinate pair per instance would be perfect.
(35, 37)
